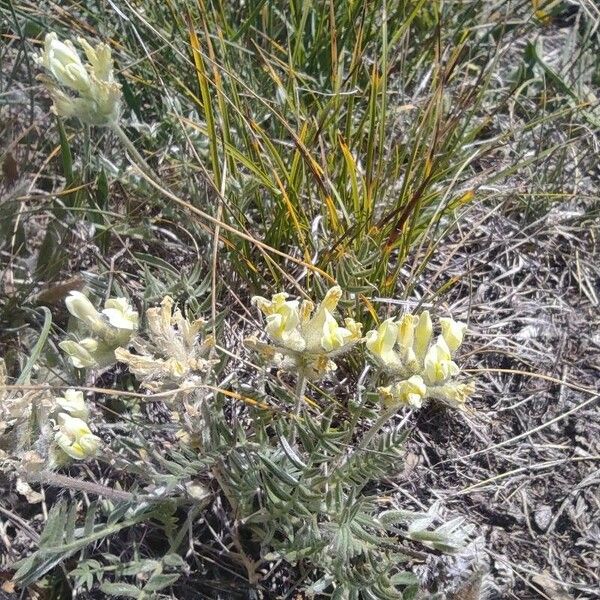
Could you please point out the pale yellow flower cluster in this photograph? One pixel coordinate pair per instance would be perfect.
(419, 366)
(86, 91)
(174, 356)
(73, 436)
(304, 339)
(108, 330)
(38, 414)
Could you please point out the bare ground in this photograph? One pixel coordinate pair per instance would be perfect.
(523, 465)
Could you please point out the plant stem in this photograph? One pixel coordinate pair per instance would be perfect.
(66, 482)
(299, 394)
(384, 417)
(134, 154)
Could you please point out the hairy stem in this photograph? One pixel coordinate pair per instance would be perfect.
(132, 150)
(299, 395)
(70, 483)
(384, 417)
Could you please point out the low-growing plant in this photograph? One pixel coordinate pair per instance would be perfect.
(296, 482)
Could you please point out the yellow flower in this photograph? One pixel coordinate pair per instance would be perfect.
(74, 404)
(81, 354)
(62, 60)
(81, 308)
(95, 96)
(355, 329)
(120, 314)
(305, 341)
(392, 346)
(380, 342)
(75, 438)
(334, 336)
(406, 336)
(110, 329)
(322, 332)
(313, 330)
(453, 333)
(452, 393)
(177, 369)
(332, 298)
(174, 355)
(422, 335)
(417, 367)
(282, 320)
(438, 364)
(409, 392)
(100, 60)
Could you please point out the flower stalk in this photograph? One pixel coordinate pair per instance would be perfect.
(129, 146)
(299, 392)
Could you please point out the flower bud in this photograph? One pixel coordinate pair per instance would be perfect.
(74, 404)
(453, 333)
(406, 337)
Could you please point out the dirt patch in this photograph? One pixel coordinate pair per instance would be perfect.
(523, 466)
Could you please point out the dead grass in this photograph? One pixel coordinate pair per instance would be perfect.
(524, 464)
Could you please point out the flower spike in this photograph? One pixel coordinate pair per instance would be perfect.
(418, 368)
(86, 91)
(303, 338)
